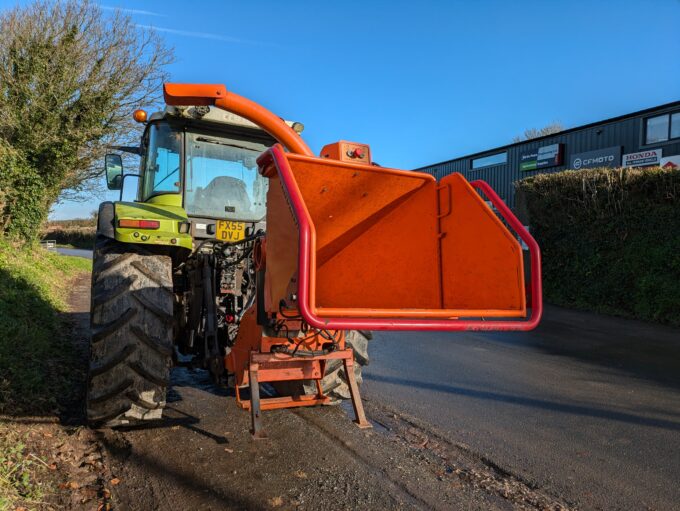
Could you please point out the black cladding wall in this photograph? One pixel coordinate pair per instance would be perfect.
(627, 131)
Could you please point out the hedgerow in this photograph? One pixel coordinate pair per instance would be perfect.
(61, 108)
(23, 203)
(78, 237)
(610, 239)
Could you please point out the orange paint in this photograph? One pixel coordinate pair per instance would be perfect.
(352, 152)
(192, 94)
(354, 245)
(393, 244)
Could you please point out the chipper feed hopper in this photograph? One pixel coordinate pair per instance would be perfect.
(353, 246)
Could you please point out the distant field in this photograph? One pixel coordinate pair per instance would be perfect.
(78, 233)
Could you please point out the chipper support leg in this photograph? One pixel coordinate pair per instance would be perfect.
(273, 367)
(255, 412)
(359, 415)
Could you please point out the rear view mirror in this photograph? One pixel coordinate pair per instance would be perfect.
(113, 165)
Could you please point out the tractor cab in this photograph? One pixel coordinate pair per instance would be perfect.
(204, 160)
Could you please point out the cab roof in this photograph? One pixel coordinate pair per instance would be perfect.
(213, 115)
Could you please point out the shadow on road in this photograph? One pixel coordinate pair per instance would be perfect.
(173, 417)
(531, 402)
(640, 349)
(193, 489)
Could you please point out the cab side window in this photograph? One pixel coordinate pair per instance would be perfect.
(162, 165)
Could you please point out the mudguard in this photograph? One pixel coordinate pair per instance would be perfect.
(105, 220)
(169, 216)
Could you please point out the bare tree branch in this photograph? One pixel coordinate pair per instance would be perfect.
(549, 129)
(70, 77)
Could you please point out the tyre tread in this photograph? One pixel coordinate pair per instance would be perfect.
(131, 344)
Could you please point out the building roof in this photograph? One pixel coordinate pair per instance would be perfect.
(644, 112)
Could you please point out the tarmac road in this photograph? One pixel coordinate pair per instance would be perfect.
(201, 456)
(77, 252)
(582, 413)
(586, 406)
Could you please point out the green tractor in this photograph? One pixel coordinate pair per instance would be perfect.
(173, 271)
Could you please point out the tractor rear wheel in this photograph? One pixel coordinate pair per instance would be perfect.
(334, 383)
(132, 324)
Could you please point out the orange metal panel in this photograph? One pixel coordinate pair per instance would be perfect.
(340, 353)
(282, 247)
(481, 260)
(193, 94)
(290, 370)
(389, 261)
(343, 199)
(376, 249)
(248, 339)
(277, 403)
(352, 152)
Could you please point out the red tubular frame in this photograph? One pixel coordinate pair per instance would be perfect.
(277, 156)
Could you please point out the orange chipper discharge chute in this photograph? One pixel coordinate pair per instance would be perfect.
(351, 245)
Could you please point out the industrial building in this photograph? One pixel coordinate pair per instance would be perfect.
(649, 137)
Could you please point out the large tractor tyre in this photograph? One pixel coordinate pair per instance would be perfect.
(132, 324)
(334, 383)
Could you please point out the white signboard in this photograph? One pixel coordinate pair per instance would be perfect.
(649, 158)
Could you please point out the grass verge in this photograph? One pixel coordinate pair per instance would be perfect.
(35, 356)
(37, 360)
(21, 471)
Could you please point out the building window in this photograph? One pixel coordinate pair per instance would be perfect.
(662, 128)
(488, 161)
(675, 125)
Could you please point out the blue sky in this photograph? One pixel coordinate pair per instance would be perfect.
(423, 81)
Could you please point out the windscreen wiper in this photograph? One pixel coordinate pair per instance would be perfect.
(166, 177)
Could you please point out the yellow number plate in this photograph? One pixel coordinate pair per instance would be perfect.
(230, 231)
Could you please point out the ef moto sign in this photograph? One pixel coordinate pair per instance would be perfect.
(607, 157)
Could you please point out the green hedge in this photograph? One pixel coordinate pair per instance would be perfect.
(22, 208)
(79, 237)
(610, 239)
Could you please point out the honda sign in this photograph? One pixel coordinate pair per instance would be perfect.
(649, 158)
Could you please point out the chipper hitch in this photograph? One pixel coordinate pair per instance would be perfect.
(354, 246)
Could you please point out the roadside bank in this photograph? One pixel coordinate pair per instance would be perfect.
(48, 460)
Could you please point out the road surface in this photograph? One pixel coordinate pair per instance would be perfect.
(585, 406)
(201, 456)
(582, 413)
(77, 252)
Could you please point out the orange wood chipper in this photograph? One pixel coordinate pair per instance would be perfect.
(353, 246)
